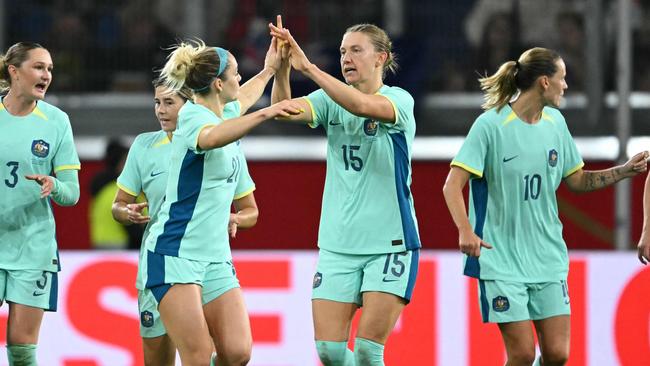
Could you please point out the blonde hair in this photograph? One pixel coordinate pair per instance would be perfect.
(16, 55)
(184, 93)
(500, 87)
(380, 41)
(191, 65)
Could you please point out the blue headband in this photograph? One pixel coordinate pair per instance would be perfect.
(223, 62)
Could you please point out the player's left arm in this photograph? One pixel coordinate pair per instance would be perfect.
(591, 180)
(64, 188)
(643, 247)
(245, 215)
(252, 90)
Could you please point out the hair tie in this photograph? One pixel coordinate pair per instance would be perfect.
(517, 65)
(223, 62)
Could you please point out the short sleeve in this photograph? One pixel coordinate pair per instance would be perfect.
(192, 120)
(572, 162)
(66, 155)
(320, 104)
(245, 184)
(403, 104)
(130, 180)
(473, 152)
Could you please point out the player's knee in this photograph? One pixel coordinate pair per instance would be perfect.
(555, 357)
(368, 353)
(521, 356)
(333, 353)
(237, 355)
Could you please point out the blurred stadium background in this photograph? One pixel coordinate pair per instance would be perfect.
(105, 53)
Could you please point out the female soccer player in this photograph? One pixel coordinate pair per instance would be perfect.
(515, 157)
(188, 265)
(36, 141)
(368, 237)
(644, 242)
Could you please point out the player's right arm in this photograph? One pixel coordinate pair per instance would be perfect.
(468, 241)
(644, 242)
(126, 211)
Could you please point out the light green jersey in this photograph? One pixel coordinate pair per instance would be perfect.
(39, 143)
(367, 201)
(146, 171)
(193, 219)
(516, 168)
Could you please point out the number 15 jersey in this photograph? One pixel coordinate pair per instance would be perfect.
(367, 202)
(516, 168)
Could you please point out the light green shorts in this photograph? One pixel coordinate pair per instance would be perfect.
(151, 326)
(34, 288)
(503, 302)
(344, 277)
(160, 272)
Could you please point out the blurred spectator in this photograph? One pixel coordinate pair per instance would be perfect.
(498, 45)
(534, 15)
(571, 47)
(106, 233)
(71, 50)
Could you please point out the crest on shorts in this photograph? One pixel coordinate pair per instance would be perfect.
(370, 127)
(146, 319)
(500, 304)
(552, 158)
(318, 278)
(40, 148)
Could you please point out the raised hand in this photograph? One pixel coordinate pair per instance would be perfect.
(284, 109)
(134, 211)
(299, 60)
(45, 181)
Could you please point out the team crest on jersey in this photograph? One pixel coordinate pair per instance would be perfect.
(370, 127)
(500, 304)
(146, 318)
(552, 158)
(318, 278)
(40, 148)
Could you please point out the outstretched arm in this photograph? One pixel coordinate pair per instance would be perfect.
(376, 107)
(591, 180)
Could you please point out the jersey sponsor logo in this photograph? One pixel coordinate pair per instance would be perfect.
(146, 319)
(156, 174)
(552, 158)
(370, 127)
(40, 148)
(332, 123)
(505, 160)
(318, 279)
(500, 304)
(36, 293)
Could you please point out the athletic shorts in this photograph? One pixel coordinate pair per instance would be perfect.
(503, 301)
(34, 288)
(345, 277)
(163, 271)
(151, 326)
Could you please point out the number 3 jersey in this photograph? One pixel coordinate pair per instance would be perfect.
(367, 202)
(516, 168)
(193, 220)
(39, 143)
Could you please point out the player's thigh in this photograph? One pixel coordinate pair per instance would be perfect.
(336, 294)
(159, 351)
(182, 314)
(391, 273)
(519, 340)
(229, 324)
(379, 315)
(554, 335)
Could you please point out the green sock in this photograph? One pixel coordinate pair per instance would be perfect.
(334, 353)
(21, 354)
(213, 359)
(368, 353)
(538, 361)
